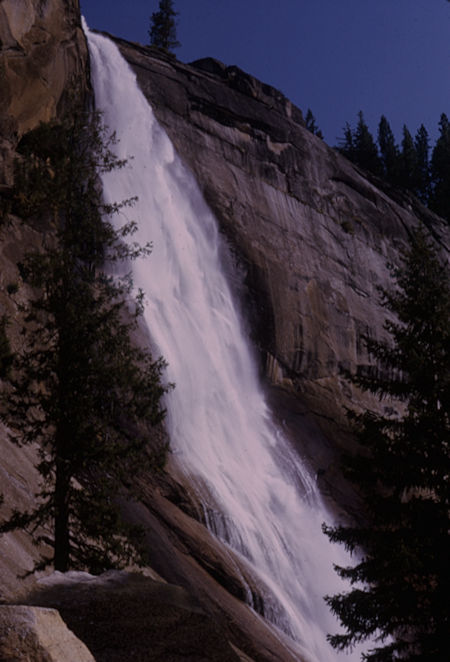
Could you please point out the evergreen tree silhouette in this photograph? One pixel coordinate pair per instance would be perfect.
(346, 144)
(78, 386)
(388, 151)
(163, 33)
(422, 178)
(408, 161)
(366, 152)
(440, 170)
(400, 583)
(310, 123)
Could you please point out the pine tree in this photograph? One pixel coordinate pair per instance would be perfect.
(422, 178)
(346, 144)
(79, 387)
(401, 584)
(310, 123)
(365, 149)
(388, 151)
(440, 170)
(408, 162)
(162, 31)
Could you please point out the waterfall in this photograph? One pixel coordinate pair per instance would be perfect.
(258, 497)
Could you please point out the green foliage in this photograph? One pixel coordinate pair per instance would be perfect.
(440, 170)
(400, 583)
(346, 144)
(408, 166)
(388, 151)
(423, 175)
(162, 31)
(360, 147)
(79, 386)
(6, 355)
(408, 161)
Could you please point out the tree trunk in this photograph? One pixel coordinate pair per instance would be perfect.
(62, 541)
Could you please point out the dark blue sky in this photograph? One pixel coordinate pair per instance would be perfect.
(388, 57)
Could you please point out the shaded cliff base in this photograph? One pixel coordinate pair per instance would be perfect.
(128, 616)
(204, 577)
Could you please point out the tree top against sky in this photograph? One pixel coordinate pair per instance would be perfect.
(336, 58)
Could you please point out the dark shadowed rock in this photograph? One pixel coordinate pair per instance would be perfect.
(36, 634)
(127, 616)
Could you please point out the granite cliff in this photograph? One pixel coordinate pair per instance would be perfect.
(309, 236)
(310, 233)
(43, 60)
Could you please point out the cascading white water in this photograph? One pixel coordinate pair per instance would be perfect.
(257, 495)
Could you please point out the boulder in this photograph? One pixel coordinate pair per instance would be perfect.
(126, 616)
(38, 634)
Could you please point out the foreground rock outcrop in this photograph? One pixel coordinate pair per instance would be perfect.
(38, 634)
(127, 616)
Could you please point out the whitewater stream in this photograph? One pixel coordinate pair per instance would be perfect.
(257, 495)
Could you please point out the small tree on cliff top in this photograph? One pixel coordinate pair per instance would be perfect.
(79, 387)
(401, 584)
(163, 32)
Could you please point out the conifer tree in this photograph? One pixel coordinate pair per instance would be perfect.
(79, 387)
(440, 170)
(346, 144)
(400, 583)
(422, 178)
(310, 123)
(408, 161)
(365, 149)
(388, 151)
(163, 33)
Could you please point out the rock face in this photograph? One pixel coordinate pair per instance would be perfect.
(37, 634)
(312, 233)
(43, 60)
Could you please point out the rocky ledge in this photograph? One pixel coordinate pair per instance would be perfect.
(120, 616)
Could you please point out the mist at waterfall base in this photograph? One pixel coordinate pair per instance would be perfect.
(258, 497)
